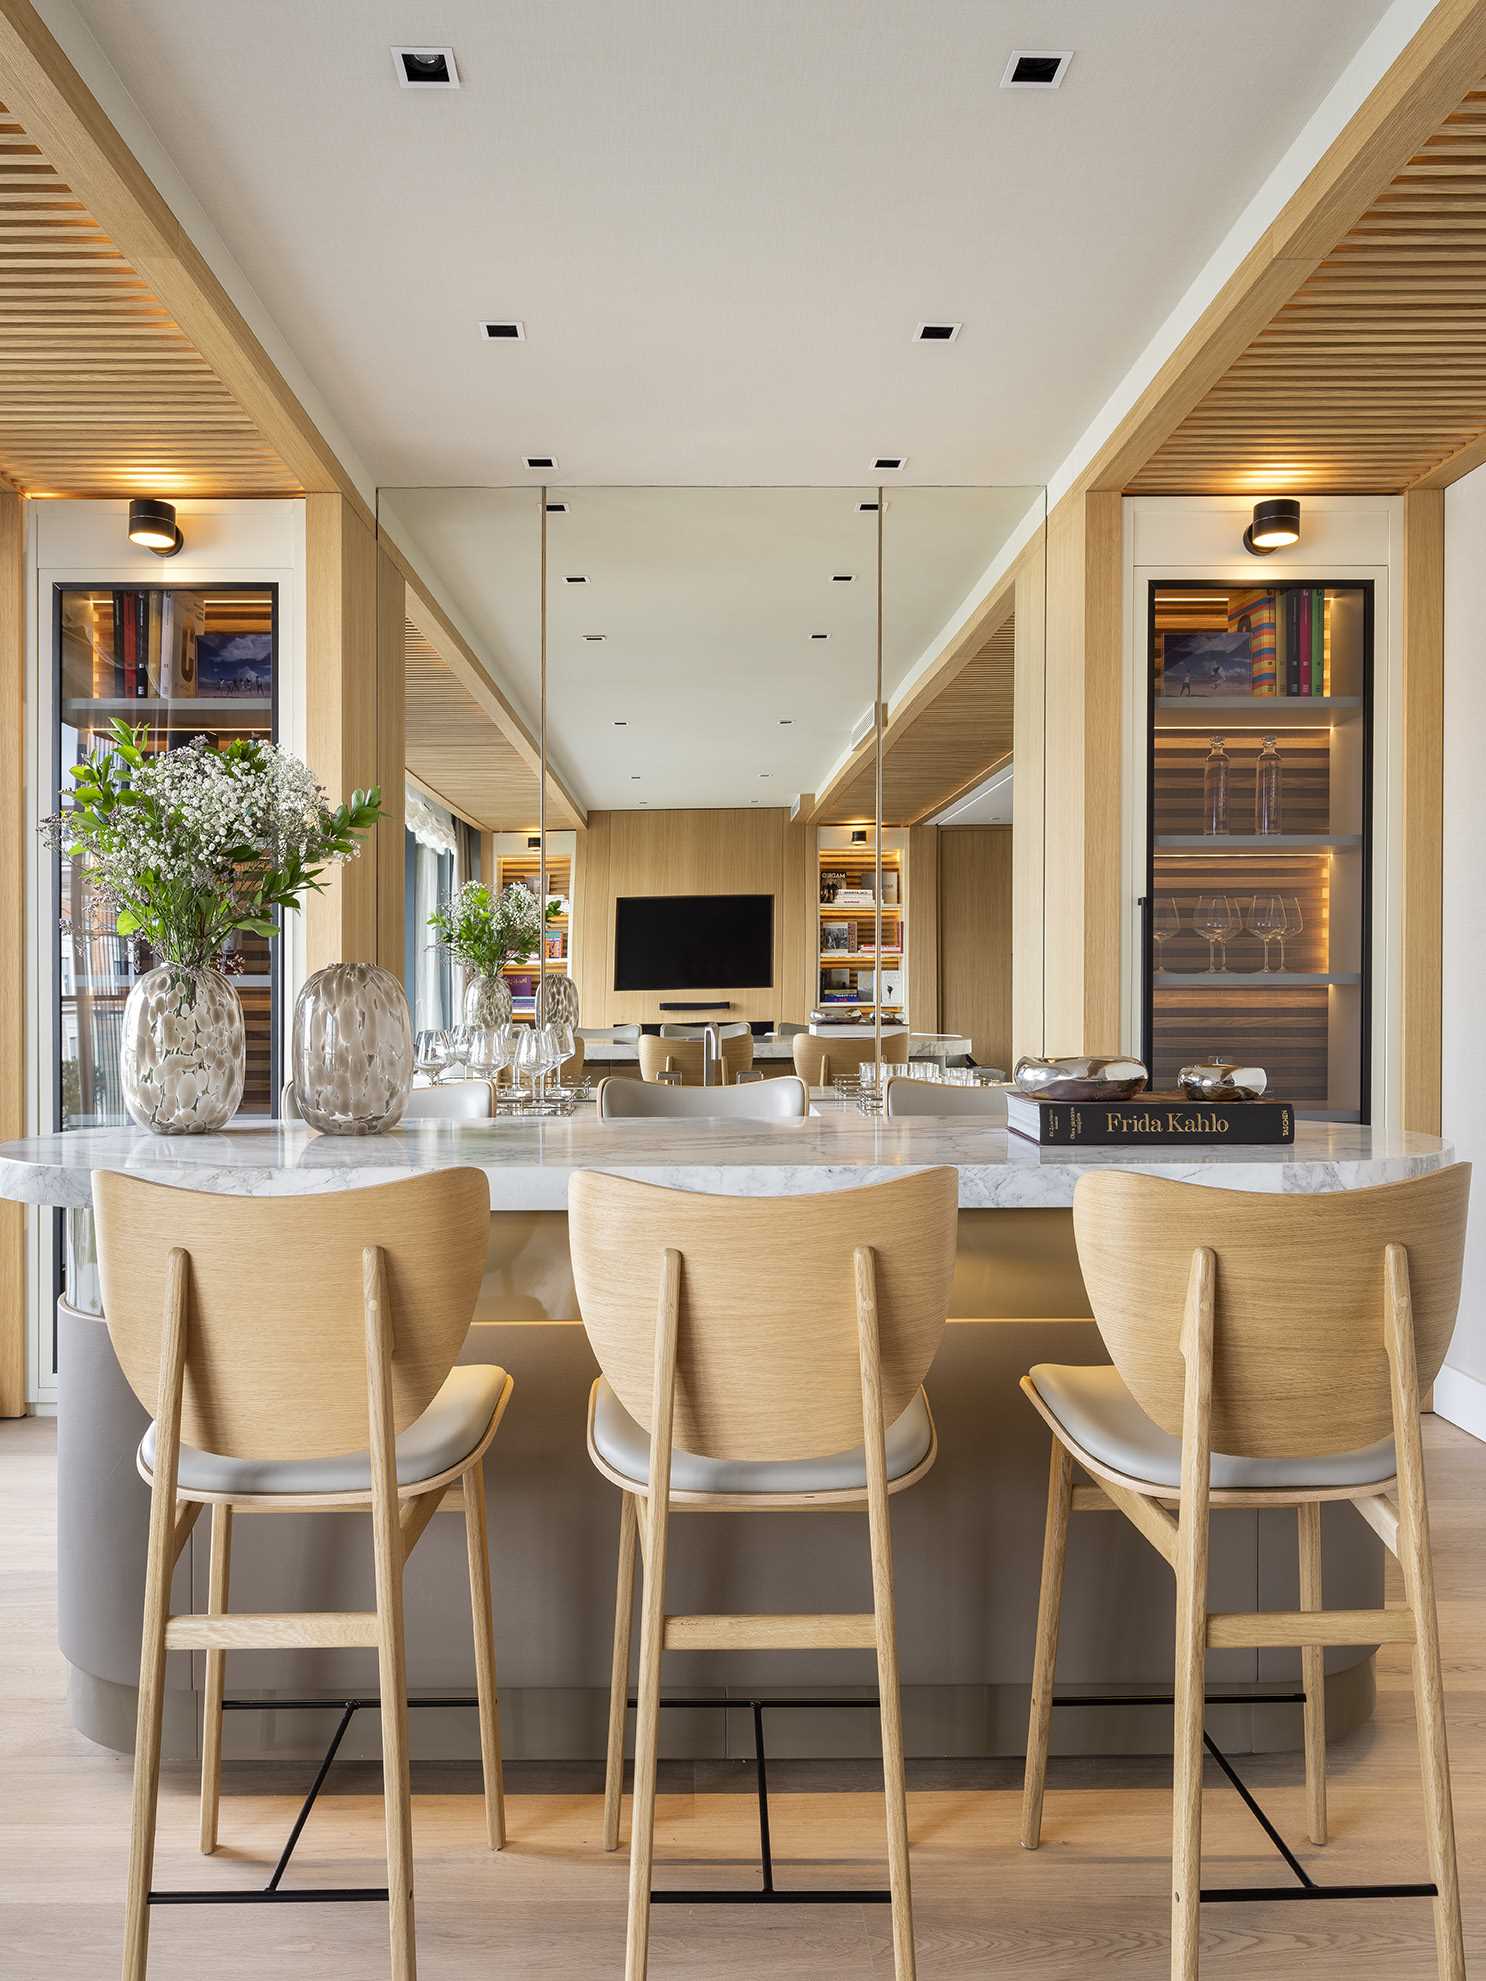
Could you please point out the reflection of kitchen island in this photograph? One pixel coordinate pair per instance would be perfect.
(969, 1538)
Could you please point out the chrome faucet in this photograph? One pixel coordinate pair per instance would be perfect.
(711, 1056)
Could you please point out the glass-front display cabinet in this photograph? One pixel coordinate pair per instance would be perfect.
(1258, 905)
(179, 662)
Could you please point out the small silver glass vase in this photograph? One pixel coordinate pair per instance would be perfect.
(352, 1050)
(487, 1001)
(182, 1056)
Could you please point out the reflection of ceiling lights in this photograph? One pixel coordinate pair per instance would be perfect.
(936, 333)
(578, 579)
(820, 636)
(426, 68)
(595, 639)
(786, 722)
(842, 578)
(557, 509)
(869, 508)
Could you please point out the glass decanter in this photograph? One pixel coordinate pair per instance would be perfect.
(1215, 780)
(1269, 788)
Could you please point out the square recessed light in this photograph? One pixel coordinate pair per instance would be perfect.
(622, 722)
(869, 508)
(889, 463)
(1036, 71)
(820, 636)
(595, 639)
(426, 68)
(842, 578)
(578, 578)
(540, 460)
(557, 509)
(786, 722)
(504, 331)
(937, 333)
(634, 777)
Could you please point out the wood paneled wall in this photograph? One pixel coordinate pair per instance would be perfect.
(975, 938)
(1423, 806)
(14, 952)
(1027, 854)
(354, 689)
(924, 987)
(693, 852)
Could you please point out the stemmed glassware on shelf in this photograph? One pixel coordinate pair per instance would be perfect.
(1267, 921)
(1216, 918)
(432, 1054)
(562, 1045)
(530, 1061)
(488, 1051)
(1166, 921)
(1294, 923)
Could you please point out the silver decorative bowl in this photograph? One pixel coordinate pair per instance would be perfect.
(1221, 1080)
(1080, 1079)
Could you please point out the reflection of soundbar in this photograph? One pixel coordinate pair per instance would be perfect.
(715, 1005)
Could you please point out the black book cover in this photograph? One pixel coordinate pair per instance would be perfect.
(1152, 1121)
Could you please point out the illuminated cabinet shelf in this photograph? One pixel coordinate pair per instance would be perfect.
(851, 975)
(1219, 904)
(524, 869)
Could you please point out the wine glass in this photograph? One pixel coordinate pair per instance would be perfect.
(431, 1054)
(1267, 921)
(1294, 923)
(563, 1047)
(482, 1051)
(1216, 918)
(459, 1045)
(1165, 923)
(529, 1061)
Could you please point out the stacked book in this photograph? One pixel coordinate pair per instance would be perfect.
(1152, 1121)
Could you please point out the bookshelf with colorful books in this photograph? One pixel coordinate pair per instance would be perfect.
(177, 661)
(1257, 922)
(848, 960)
(517, 862)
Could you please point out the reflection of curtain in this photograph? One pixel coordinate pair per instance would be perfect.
(433, 844)
(466, 853)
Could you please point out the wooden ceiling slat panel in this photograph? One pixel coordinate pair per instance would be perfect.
(100, 391)
(1373, 375)
(454, 748)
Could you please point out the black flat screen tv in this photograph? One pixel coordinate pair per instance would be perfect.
(680, 942)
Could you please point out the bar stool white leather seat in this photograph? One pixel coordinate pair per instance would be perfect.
(448, 1431)
(621, 1450)
(906, 1096)
(780, 1099)
(1102, 1418)
(452, 1100)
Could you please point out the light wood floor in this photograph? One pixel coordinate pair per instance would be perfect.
(1092, 1902)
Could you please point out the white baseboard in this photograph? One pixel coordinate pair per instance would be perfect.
(1461, 1400)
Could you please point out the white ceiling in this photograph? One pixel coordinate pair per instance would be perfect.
(720, 223)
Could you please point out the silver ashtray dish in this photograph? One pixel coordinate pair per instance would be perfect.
(1080, 1079)
(1221, 1080)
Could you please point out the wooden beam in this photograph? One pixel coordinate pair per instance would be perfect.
(1423, 805)
(1028, 929)
(15, 950)
(1427, 82)
(62, 115)
(341, 669)
(387, 851)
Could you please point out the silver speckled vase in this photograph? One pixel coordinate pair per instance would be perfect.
(353, 1050)
(182, 1057)
(487, 1001)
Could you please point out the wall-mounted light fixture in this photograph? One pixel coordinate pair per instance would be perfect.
(152, 526)
(1276, 526)
(534, 841)
(859, 838)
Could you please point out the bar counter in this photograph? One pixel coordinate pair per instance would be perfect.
(968, 1539)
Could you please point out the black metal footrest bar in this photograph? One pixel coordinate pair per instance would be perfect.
(273, 1893)
(767, 1893)
(1305, 1886)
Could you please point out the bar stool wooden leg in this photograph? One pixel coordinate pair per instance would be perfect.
(1313, 1674)
(1191, 1620)
(477, 1545)
(1418, 1580)
(216, 1681)
(624, 1605)
(392, 1675)
(652, 1623)
(880, 1532)
(1045, 1654)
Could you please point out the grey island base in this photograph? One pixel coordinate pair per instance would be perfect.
(968, 1539)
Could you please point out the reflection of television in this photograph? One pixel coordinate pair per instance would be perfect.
(693, 942)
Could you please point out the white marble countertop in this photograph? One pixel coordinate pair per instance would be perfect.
(528, 1163)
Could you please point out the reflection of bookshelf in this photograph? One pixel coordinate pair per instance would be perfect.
(847, 961)
(524, 868)
(1306, 1022)
(135, 654)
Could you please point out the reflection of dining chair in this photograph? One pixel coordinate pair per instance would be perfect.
(1268, 1352)
(820, 1060)
(783, 1099)
(733, 1029)
(451, 1100)
(684, 1056)
(905, 1096)
(608, 1034)
(297, 1355)
(784, 1373)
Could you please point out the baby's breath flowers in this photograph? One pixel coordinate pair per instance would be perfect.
(484, 930)
(189, 846)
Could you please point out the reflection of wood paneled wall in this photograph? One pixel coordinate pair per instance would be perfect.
(15, 847)
(691, 852)
(975, 938)
(923, 928)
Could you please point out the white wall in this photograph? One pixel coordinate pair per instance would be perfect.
(1460, 1393)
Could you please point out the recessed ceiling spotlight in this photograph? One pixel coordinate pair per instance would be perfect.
(621, 722)
(578, 578)
(540, 460)
(509, 332)
(937, 333)
(889, 463)
(595, 639)
(820, 636)
(634, 777)
(426, 68)
(786, 722)
(766, 773)
(869, 508)
(557, 509)
(842, 578)
(1027, 71)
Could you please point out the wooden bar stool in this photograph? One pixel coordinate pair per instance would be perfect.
(684, 1056)
(1268, 1352)
(820, 1059)
(783, 1370)
(297, 1355)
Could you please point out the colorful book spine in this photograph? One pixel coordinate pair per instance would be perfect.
(118, 643)
(1292, 643)
(1318, 642)
(131, 646)
(1303, 608)
(1255, 618)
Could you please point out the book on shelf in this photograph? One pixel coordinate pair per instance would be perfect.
(1155, 1121)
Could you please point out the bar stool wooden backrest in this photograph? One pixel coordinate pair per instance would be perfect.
(1300, 1361)
(819, 1061)
(272, 1294)
(767, 1359)
(684, 1056)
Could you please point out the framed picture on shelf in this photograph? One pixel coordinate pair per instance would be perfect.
(229, 664)
(1194, 664)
